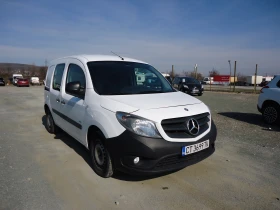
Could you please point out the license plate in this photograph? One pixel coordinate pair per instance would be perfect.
(195, 148)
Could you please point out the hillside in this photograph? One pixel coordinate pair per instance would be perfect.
(27, 70)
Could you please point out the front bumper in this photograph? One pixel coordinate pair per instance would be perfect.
(156, 155)
(193, 91)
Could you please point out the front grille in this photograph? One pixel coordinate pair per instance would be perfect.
(177, 128)
(177, 160)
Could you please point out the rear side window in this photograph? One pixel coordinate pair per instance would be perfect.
(57, 76)
(76, 74)
(49, 76)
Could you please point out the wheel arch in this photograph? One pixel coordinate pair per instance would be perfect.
(46, 108)
(91, 131)
(267, 102)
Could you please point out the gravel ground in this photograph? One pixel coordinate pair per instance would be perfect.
(43, 171)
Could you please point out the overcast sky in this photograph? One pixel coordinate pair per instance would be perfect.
(162, 32)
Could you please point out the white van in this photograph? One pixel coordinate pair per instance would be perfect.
(133, 128)
(16, 77)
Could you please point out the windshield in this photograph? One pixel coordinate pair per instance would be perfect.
(122, 78)
(191, 80)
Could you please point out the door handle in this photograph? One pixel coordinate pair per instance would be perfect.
(57, 100)
(63, 102)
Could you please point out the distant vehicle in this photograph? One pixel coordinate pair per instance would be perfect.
(35, 81)
(240, 83)
(208, 80)
(16, 77)
(23, 82)
(189, 85)
(267, 78)
(2, 82)
(269, 101)
(250, 80)
(263, 83)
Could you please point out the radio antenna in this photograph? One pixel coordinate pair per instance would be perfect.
(117, 55)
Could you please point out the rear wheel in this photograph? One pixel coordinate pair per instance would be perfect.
(50, 125)
(271, 113)
(101, 160)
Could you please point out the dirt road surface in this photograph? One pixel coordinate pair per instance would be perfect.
(43, 171)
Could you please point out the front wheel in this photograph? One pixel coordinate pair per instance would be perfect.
(101, 160)
(200, 94)
(271, 113)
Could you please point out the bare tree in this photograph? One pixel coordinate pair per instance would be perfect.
(214, 72)
(241, 77)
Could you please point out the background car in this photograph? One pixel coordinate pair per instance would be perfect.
(35, 81)
(263, 83)
(23, 83)
(189, 85)
(2, 82)
(269, 101)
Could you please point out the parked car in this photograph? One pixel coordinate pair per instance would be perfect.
(134, 128)
(269, 101)
(2, 82)
(22, 82)
(35, 81)
(264, 83)
(188, 85)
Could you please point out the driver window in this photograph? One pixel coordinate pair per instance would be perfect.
(76, 74)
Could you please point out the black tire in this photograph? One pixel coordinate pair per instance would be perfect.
(271, 113)
(50, 125)
(100, 157)
(200, 94)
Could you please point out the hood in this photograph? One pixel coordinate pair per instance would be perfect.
(147, 101)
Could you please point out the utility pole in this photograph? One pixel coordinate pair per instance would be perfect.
(229, 74)
(256, 72)
(195, 67)
(172, 72)
(234, 76)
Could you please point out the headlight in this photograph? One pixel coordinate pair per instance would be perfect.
(185, 86)
(138, 125)
(202, 86)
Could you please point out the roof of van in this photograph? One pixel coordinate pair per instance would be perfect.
(88, 58)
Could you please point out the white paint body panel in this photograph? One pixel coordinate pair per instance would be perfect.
(272, 93)
(100, 110)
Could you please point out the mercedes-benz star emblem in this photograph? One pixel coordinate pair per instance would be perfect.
(193, 126)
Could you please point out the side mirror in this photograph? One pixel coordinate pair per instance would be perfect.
(73, 88)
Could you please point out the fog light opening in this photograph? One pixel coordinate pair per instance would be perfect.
(136, 160)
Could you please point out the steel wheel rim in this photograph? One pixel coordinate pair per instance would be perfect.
(99, 154)
(270, 114)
